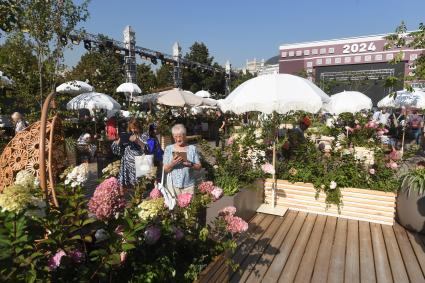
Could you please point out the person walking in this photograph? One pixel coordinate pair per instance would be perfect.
(415, 123)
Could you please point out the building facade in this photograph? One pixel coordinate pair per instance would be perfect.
(356, 63)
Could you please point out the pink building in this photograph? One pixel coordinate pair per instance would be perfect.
(348, 59)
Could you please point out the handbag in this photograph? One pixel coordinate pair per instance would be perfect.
(143, 164)
(169, 199)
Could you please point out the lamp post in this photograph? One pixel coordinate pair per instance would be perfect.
(227, 67)
(177, 77)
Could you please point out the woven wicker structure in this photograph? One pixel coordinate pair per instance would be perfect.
(23, 153)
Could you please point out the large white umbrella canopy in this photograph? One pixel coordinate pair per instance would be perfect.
(74, 87)
(404, 98)
(348, 101)
(275, 92)
(92, 101)
(129, 87)
(179, 98)
(203, 94)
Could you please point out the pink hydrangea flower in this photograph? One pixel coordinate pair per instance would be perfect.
(206, 187)
(372, 171)
(155, 193)
(217, 193)
(183, 200)
(77, 256)
(152, 235)
(55, 261)
(107, 200)
(178, 234)
(358, 127)
(268, 168)
(229, 210)
(236, 224)
(394, 155)
(371, 125)
(380, 133)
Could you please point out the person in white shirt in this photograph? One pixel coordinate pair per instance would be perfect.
(381, 117)
(20, 123)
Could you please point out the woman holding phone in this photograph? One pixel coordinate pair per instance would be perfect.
(180, 159)
(129, 145)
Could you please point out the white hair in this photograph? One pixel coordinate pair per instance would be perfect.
(178, 129)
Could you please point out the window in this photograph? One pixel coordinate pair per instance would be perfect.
(284, 54)
(299, 53)
(347, 60)
(413, 57)
(357, 59)
(291, 53)
(389, 56)
(319, 62)
(338, 60)
(368, 58)
(314, 51)
(378, 57)
(328, 61)
(322, 50)
(309, 64)
(306, 52)
(331, 50)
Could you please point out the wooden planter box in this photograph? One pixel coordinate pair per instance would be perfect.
(217, 271)
(358, 204)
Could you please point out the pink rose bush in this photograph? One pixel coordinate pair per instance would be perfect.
(107, 200)
(183, 200)
(371, 125)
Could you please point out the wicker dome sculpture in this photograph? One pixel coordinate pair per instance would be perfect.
(23, 153)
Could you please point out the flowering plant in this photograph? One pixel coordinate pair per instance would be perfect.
(112, 169)
(77, 176)
(107, 199)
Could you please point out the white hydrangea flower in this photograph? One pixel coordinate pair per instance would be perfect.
(332, 185)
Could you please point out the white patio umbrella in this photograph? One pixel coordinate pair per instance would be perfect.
(348, 101)
(203, 94)
(404, 98)
(74, 87)
(94, 100)
(275, 92)
(129, 87)
(5, 80)
(179, 98)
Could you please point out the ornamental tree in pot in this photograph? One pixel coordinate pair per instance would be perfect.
(411, 200)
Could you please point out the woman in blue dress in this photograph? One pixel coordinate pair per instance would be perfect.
(179, 171)
(129, 146)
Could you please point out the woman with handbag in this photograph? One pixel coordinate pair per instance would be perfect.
(180, 159)
(129, 145)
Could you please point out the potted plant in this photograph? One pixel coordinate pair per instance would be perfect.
(411, 199)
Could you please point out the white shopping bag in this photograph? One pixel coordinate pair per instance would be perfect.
(143, 164)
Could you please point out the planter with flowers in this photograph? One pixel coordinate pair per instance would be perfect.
(337, 182)
(411, 199)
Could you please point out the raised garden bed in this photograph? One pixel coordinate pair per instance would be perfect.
(357, 204)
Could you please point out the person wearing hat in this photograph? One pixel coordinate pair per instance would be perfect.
(20, 123)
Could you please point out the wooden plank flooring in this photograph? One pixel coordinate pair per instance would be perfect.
(305, 247)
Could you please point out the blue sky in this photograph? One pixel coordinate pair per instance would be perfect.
(238, 30)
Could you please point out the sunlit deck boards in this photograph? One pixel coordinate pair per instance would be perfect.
(305, 247)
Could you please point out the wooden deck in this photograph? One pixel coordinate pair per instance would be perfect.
(305, 247)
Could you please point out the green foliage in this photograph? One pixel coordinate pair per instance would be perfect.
(240, 78)
(146, 78)
(413, 181)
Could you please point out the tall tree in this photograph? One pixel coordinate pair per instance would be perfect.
(20, 64)
(46, 24)
(103, 69)
(195, 79)
(164, 76)
(146, 78)
(239, 78)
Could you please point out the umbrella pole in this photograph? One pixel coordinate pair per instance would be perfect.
(402, 141)
(274, 175)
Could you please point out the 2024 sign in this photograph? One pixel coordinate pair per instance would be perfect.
(358, 48)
